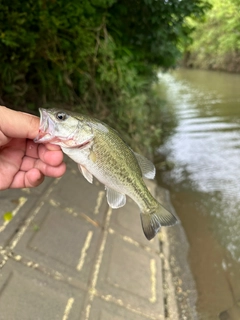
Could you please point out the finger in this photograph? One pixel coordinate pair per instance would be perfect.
(49, 156)
(29, 163)
(33, 178)
(29, 179)
(50, 171)
(33, 149)
(17, 124)
(52, 147)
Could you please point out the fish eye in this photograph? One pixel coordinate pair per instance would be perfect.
(61, 116)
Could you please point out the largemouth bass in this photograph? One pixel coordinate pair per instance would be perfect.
(100, 152)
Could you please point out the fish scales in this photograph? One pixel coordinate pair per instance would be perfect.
(107, 167)
(121, 175)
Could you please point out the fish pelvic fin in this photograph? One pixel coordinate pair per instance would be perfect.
(115, 199)
(152, 220)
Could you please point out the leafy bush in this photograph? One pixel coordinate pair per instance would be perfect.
(97, 56)
(216, 40)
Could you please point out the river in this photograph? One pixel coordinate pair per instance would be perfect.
(204, 183)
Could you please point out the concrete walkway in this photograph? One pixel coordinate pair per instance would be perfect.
(65, 255)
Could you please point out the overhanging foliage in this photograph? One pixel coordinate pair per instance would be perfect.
(101, 55)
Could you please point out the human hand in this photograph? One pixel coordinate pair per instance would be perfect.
(23, 163)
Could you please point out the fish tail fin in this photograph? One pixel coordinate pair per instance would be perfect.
(152, 220)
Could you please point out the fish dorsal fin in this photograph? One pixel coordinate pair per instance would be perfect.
(115, 199)
(87, 175)
(147, 167)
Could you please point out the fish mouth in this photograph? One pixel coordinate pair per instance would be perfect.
(46, 128)
(43, 137)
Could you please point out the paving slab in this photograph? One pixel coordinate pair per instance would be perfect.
(62, 242)
(132, 275)
(78, 196)
(113, 310)
(19, 203)
(3, 259)
(66, 255)
(27, 294)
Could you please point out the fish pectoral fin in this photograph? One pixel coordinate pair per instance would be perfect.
(87, 175)
(152, 221)
(115, 199)
(146, 166)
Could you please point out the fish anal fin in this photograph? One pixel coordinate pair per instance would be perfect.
(115, 199)
(87, 175)
(146, 166)
(152, 221)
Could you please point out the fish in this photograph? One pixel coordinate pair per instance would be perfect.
(100, 152)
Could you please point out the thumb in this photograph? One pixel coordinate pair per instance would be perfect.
(16, 124)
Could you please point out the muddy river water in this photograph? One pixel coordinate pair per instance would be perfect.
(205, 181)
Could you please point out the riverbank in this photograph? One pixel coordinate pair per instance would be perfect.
(228, 63)
(180, 294)
(215, 39)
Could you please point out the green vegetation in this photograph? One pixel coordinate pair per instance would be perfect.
(98, 56)
(7, 216)
(216, 40)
